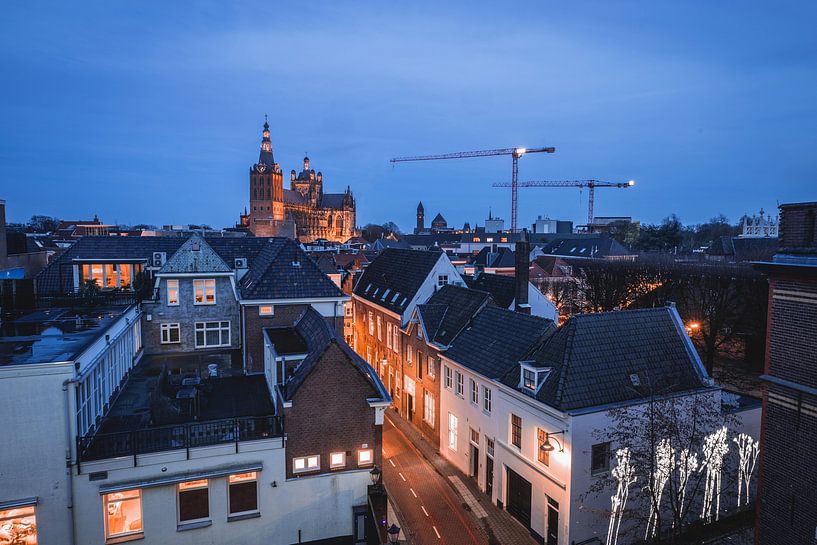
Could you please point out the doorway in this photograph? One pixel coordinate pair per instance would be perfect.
(552, 532)
(519, 498)
(474, 473)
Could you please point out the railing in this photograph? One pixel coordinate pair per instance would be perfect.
(78, 299)
(181, 436)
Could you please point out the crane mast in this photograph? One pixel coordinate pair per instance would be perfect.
(515, 154)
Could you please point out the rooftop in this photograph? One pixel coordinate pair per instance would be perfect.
(392, 279)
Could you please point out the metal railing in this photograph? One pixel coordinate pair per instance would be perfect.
(76, 299)
(182, 436)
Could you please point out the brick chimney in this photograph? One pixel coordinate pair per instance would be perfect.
(522, 273)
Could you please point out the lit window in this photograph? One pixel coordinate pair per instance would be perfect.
(204, 292)
(371, 323)
(448, 380)
(431, 368)
(528, 379)
(379, 328)
(503, 239)
(243, 493)
(19, 526)
(304, 464)
(337, 460)
(474, 436)
(396, 341)
(212, 334)
(171, 333)
(452, 432)
(544, 454)
(489, 239)
(266, 310)
(516, 431)
(123, 514)
(194, 501)
(365, 457)
(428, 408)
(172, 292)
(388, 335)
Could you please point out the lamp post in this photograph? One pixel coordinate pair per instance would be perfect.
(547, 446)
(376, 475)
(394, 534)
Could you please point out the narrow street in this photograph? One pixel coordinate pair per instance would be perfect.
(430, 509)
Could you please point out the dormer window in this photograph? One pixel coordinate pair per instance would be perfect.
(531, 378)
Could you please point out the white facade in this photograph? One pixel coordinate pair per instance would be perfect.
(443, 273)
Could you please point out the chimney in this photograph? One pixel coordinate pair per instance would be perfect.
(3, 247)
(522, 273)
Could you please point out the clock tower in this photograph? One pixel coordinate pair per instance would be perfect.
(266, 184)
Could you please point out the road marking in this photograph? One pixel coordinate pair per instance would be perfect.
(436, 532)
(412, 492)
(424, 510)
(469, 498)
(401, 476)
(392, 462)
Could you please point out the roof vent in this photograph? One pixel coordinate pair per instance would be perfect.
(296, 264)
(195, 247)
(635, 380)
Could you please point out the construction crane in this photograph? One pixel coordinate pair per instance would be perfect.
(591, 186)
(515, 153)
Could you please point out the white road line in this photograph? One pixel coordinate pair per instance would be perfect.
(401, 476)
(436, 532)
(413, 493)
(424, 509)
(392, 462)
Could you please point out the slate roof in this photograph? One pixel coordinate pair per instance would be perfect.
(502, 257)
(333, 200)
(497, 339)
(392, 279)
(195, 255)
(383, 243)
(273, 274)
(502, 288)
(294, 197)
(597, 247)
(593, 356)
(438, 219)
(319, 336)
(449, 310)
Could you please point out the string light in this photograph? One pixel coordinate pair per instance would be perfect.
(747, 451)
(714, 450)
(664, 464)
(624, 473)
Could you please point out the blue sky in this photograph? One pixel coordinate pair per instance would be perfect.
(151, 111)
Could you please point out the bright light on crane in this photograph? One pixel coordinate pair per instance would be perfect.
(521, 151)
(631, 183)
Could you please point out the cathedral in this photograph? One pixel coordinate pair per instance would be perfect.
(303, 212)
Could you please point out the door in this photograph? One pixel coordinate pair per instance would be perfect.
(410, 407)
(519, 498)
(360, 524)
(552, 537)
(489, 476)
(475, 462)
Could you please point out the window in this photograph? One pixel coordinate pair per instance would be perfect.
(212, 334)
(388, 336)
(431, 368)
(266, 310)
(19, 525)
(528, 379)
(337, 460)
(347, 310)
(474, 436)
(171, 333)
(486, 399)
(365, 457)
(459, 383)
(123, 514)
(408, 353)
(489, 447)
(379, 328)
(243, 493)
(543, 455)
(419, 364)
(371, 323)
(442, 280)
(429, 411)
(304, 464)
(447, 371)
(194, 501)
(396, 340)
(172, 293)
(516, 431)
(474, 392)
(600, 458)
(204, 292)
(452, 432)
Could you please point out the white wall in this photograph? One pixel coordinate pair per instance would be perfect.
(540, 305)
(429, 285)
(319, 506)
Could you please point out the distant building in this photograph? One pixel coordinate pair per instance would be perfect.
(303, 211)
(545, 225)
(760, 226)
(21, 256)
(439, 223)
(494, 224)
(421, 222)
(603, 224)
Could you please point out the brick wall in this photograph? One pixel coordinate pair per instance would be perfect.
(376, 351)
(330, 413)
(417, 370)
(798, 228)
(254, 325)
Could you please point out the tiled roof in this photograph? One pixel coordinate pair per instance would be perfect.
(292, 196)
(502, 288)
(586, 247)
(449, 310)
(392, 279)
(603, 358)
(319, 336)
(497, 339)
(195, 255)
(383, 243)
(333, 200)
(282, 270)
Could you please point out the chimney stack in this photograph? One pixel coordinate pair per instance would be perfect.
(522, 273)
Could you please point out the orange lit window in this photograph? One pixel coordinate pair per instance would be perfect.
(337, 460)
(194, 501)
(204, 292)
(243, 493)
(19, 526)
(266, 310)
(123, 514)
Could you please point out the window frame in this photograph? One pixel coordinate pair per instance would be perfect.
(380, 328)
(396, 341)
(174, 289)
(542, 456)
(431, 367)
(363, 463)
(28, 511)
(389, 335)
(516, 431)
(486, 400)
(221, 329)
(605, 445)
(307, 468)
(194, 487)
(231, 483)
(429, 409)
(371, 323)
(338, 465)
(442, 280)
(448, 377)
(474, 391)
(270, 312)
(125, 535)
(203, 282)
(459, 384)
(452, 431)
(167, 328)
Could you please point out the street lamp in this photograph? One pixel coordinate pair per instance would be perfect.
(394, 534)
(375, 475)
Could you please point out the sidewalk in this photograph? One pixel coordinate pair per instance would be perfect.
(501, 527)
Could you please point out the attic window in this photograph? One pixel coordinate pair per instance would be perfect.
(367, 288)
(296, 264)
(635, 380)
(489, 239)
(573, 249)
(386, 293)
(396, 295)
(195, 247)
(531, 378)
(405, 300)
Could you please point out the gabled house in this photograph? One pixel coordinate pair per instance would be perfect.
(503, 290)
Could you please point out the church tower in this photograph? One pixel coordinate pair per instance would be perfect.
(421, 222)
(266, 184)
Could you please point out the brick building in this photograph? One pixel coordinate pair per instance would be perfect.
(787, 510)
(303, 211)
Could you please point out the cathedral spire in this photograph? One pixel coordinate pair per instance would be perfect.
(265, 157)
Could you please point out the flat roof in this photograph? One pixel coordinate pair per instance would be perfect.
(54, 335)
(286, 340)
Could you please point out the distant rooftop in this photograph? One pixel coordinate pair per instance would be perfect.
(54, 335)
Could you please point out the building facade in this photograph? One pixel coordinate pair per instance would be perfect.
(304, 211)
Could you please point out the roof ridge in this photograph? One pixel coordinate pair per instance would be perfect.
(571, 334)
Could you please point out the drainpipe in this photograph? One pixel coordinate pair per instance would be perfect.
(68, 466)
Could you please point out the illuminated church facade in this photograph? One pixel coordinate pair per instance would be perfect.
(303, 211)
